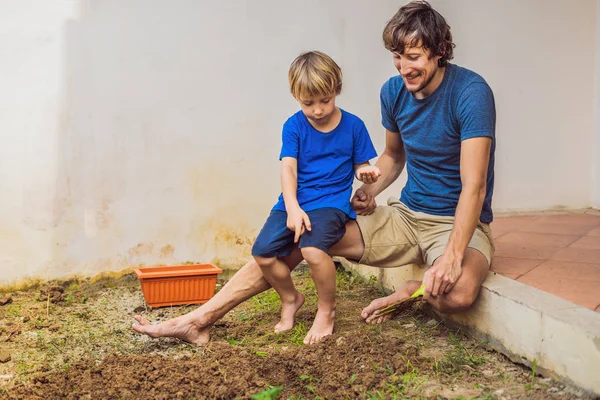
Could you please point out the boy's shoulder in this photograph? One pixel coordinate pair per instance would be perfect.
(351, 119)
(294, 120)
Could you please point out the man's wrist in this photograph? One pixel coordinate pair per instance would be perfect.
(454, 254)
(368, 189)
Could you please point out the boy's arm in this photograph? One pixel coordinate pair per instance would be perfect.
(297, 220)
(366, 173)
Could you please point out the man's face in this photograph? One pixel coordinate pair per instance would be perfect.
(418, 70)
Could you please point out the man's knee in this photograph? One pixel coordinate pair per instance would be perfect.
(458, 300)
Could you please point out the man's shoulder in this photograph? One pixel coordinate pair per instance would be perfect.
(392, 86)
(465, 77)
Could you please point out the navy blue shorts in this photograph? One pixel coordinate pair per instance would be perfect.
(277, 240)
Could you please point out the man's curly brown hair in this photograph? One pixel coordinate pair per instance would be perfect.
(419, 22)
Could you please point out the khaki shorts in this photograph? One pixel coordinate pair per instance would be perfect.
(394, 236)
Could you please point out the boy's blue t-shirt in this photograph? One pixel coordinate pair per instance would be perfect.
(325, 160)
(432, 130)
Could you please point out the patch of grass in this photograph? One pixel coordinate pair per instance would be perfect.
(298, 333)
(346, 279)
(420, 352)
(399, 386)
(267, 301)
(245, 316)
(14, 310)
(460, 356)
(271, 393)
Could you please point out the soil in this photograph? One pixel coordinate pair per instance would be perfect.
(73, 340)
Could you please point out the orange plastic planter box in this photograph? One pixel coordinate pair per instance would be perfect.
(178, 284)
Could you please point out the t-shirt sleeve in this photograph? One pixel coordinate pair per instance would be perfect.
(476, 111)
(363, 146)
(386, 98)
(290, 141)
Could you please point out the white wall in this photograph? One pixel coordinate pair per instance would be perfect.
(144, 131)
(596, 158)
(538, 56)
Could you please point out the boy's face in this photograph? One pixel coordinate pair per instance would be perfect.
(418, 70)
(318, 109)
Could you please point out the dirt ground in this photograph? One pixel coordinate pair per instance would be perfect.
(73, 340)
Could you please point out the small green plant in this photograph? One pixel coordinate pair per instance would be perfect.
(271, 393)
(352, 379)
(529, 385)
(309, 380)
(234, 342)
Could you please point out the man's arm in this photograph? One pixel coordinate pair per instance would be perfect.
(390, 163)
(474, 159)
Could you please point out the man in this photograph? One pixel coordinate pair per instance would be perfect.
(440, 124)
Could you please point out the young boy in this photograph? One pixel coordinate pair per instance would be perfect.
(324, 147)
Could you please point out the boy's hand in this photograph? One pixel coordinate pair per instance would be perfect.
(368, 174)
(298, 221)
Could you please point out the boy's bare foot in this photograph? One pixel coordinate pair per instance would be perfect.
(322, 326)
(183, 328)
(288, 313)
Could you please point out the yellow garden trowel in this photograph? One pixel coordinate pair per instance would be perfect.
(403, 304)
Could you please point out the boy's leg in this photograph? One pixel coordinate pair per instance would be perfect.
(328, 227)
(277, 273)
(276, 240)
(322, 270)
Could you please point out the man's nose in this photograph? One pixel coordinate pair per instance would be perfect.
(403, 66)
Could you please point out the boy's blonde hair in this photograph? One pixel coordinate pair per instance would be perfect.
(314, 74)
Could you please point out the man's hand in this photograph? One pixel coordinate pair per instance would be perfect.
(442, 277)
(299, 222)
(363, 203)
(368, 174)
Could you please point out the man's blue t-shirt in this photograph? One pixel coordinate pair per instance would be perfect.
(432, 130)
(325, 160)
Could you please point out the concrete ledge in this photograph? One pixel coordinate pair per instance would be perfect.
(523, 323)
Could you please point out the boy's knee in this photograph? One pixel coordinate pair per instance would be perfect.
(312, 255)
